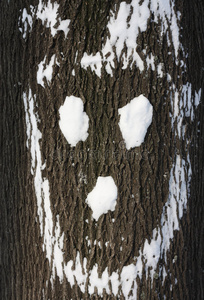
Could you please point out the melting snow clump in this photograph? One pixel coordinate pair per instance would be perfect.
(103, 196)
(135, 118)
(74, 122)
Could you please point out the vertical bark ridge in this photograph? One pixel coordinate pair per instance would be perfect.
(141, 174)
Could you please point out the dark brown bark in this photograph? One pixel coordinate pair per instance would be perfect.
(194, 233)
(140, 171)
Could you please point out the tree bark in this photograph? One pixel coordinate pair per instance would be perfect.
(142, 174)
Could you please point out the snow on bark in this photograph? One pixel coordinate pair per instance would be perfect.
(74, 122)
(135, 118)
(103, 197)
(151, 252)
(45, 71)
(41, 186)
(48, 14)
(124, 29)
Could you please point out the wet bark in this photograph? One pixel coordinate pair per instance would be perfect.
(72, 173)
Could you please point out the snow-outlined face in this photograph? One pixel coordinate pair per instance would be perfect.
(135, 118)
(151, 182)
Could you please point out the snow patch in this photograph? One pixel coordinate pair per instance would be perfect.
(26, 20)
(103, 282)
(92, 61)
(74, 122)
(45, 71)
(184, 103)
(124, 29)
(103, 197)
(48, 14)
(77, 274)
(135, 118)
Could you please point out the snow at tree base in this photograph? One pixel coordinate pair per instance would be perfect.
(135, 119)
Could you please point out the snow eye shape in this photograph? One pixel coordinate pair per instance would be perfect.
(74, 122)
(135, 118)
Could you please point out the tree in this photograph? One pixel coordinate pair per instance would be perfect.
(148, 245)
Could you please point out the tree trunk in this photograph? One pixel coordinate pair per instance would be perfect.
(150, 245)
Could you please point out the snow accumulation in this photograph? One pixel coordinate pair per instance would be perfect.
(41, 184)
(74, 122)
(135, 118)
(48, 14)
(124, 29)
(184, 103)
(45, 71)
(103, 197)
(148, 258)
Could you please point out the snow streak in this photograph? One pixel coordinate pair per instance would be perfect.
(52, 241)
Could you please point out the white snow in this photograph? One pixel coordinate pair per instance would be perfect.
(177, 202)
(103, 197)
(45, 71)
(159, 70)
(184, 103)
(159, 245)
(128, 276)
(100, 283)
(78, 273)
(48, 14)
(41, 184)
(58, 242)
(121, 32)
(124, 29)
(27, 21)
(94, 62)
(103, 282)
(150, 62)
(33, 138)
(135, 118)
(74, 122)
(151, 251)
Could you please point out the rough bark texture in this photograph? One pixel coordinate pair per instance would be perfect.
(194, 230)
(140, 171)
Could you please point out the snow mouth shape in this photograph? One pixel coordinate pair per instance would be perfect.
(103, 197)
(135, 118)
